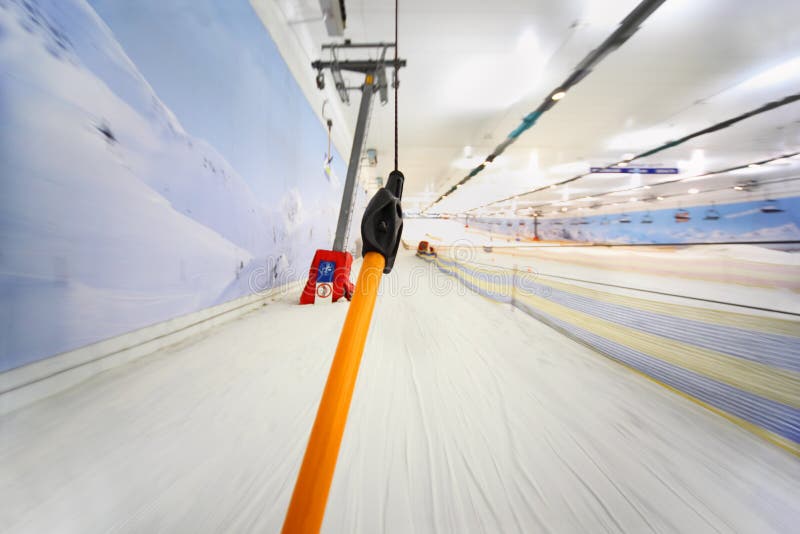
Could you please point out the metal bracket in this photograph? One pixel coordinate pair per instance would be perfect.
(374, 71)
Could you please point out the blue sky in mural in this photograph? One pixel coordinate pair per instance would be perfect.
(743, 221)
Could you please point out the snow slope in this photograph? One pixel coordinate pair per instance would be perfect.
(468, 416)
(112, 217)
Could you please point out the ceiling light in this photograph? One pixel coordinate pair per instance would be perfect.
(659, 198)
(753, 165)
(627, 157)
(558, 95)
(738, 187)
(693, 191)
(564, 208)
(646, 187)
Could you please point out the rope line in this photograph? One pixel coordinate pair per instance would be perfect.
(396, 83)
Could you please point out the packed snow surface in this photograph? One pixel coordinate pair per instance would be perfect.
(468, 416)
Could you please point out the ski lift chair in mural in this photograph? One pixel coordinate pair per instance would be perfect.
(682, 216)
(771, 206)
(624, 219)
(647, 218)
(584, 220)
(712, 214)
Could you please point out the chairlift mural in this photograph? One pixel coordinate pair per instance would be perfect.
(749, 221)
(771, 206)
(682, 216)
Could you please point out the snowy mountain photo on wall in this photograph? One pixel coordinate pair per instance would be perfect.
(112, 215)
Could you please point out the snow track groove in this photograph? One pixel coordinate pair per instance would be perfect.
(468, 416)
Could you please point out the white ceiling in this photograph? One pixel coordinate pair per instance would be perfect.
(476, 67)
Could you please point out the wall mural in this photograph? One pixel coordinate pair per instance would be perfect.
(754, 220)
(120, 208)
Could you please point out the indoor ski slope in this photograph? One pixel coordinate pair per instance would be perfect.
(468, 416)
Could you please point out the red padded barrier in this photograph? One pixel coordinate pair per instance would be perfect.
(338, 275)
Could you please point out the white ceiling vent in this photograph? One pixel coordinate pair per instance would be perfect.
(335, 16)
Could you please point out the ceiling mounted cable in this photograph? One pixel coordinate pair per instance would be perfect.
(739, 167)
(629, 25)
(769, 106)
(395, 83)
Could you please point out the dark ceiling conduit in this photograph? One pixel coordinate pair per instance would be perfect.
(672, 181)
(629, 25)
(769, 106)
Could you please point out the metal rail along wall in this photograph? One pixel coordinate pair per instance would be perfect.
(744, 367)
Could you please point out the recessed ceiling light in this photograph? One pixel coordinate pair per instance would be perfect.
(558, 95)
(659, 198)
(738, 187)
(564, 208)
(693, 191)
(753, 165)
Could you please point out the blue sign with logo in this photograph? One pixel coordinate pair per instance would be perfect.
(325, 272)
(634, 170)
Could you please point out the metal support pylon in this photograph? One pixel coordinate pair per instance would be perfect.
(346, 209)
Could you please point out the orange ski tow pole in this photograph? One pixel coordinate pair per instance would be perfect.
(380, 229)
